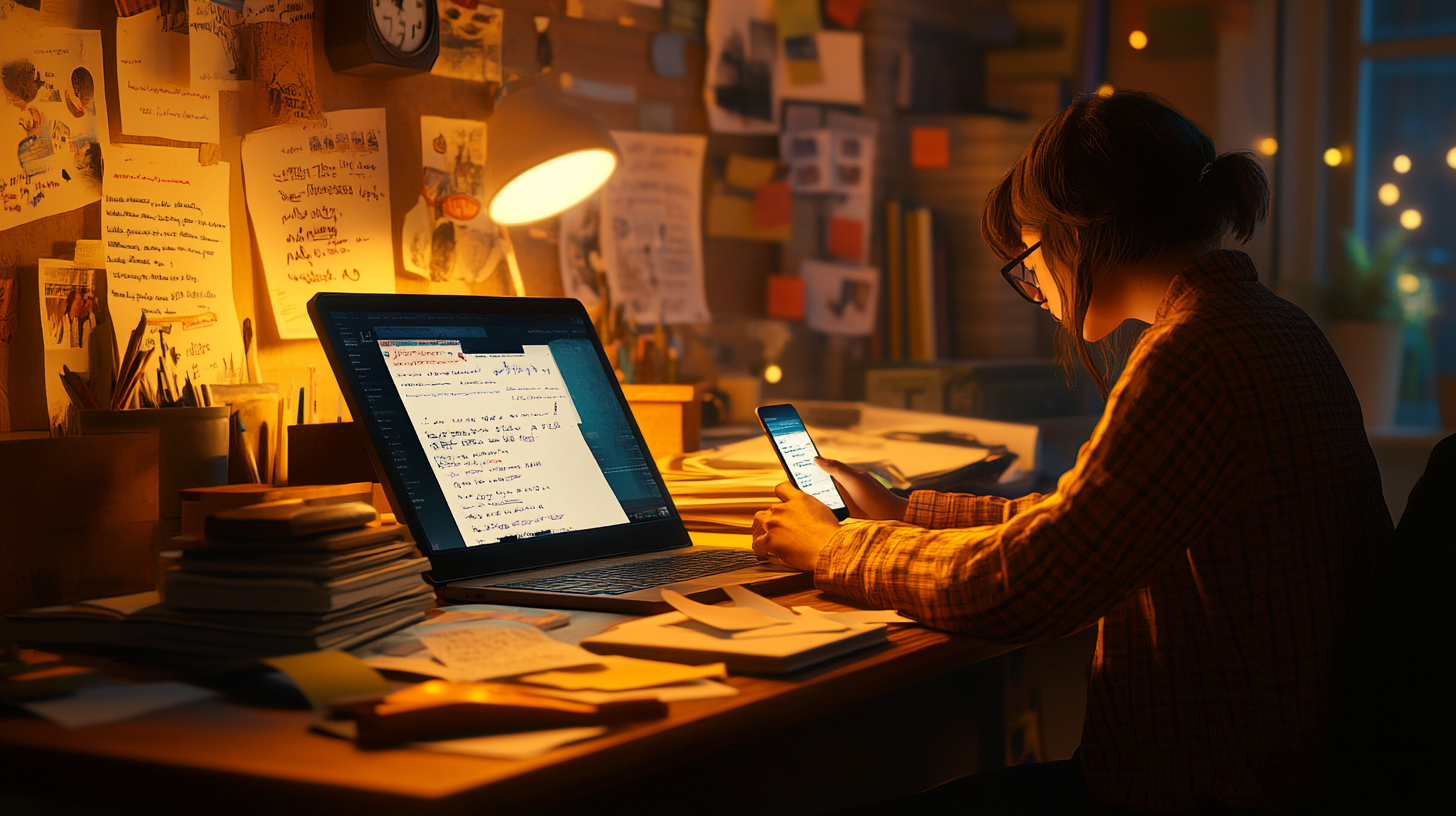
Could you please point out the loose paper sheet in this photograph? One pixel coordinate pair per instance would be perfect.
(51, 152)
(743, 52)
(618, 673)
(470, 41)
(169, 256)
(513, 746)
(153, 74)
(319, 200)
(215, 43)
(448, 237)
(70, 308)
(580, 246)
(482, 651)
(653, 242)
(840, 299)
(108, 702)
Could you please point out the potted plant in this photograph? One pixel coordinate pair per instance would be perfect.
(1363, 307)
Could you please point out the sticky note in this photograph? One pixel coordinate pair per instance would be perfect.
(773, 206)
(844, 12)
(786, 297)
(929, 147)
(805, 72)
(747, 173)
(797, 18)
(669, 53)
(846, 238)
(327, 676)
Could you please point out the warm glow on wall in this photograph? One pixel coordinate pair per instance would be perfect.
(1333, 157)
(1268, 145)
(1410, 219)
(1388, 194)
(1402, 163)
(1138, 40)
(773, 373)
(1106, 89)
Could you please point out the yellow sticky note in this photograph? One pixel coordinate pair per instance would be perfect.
(736, 216)
(797, 18)
(327, 676)
(749, 173)
(617, 673)
(805, 72)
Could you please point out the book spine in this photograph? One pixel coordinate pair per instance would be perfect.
(894, 281)
(920, 266)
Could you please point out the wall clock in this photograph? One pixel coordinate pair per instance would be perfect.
(381, 38)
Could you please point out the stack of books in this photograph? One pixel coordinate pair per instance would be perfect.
(280, 577)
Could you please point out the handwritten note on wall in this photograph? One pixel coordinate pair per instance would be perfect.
(652, 234)
(215, 43)
(504, 438)
(153, 70)
(319, 200)
(50, 154)
(169, 256)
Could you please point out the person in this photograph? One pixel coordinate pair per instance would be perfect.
(1215, 528)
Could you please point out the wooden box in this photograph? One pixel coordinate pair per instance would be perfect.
(670, 415)
(77, 517)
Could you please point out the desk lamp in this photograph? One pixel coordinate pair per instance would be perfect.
(543, 156)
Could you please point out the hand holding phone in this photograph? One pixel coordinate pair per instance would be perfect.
(796, 452)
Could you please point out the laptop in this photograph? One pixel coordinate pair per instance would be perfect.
(504, 442)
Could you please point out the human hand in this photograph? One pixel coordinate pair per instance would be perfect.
(863, 493)
(795, 531)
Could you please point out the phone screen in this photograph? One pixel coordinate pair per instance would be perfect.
(797, 451)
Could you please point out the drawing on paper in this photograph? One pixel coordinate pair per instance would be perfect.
(470, 41)
(217, 54)
(448, 236)
(174, 15)
(286, 91)
(71, 307)
(50, 154)
(742, 50)
(583, 269)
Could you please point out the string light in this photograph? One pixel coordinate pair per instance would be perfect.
(1138, 40)
(1410, 219)
(1408, 283)
(773, 373)
(1268, 145)
(1388, 194)
(1333, 156)
(1402, 163)
(1106, 89)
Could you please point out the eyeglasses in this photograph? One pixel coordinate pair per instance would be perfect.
(1023, 279)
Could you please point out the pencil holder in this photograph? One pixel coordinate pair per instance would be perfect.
(192, 449)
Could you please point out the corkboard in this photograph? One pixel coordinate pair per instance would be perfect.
(597, 47)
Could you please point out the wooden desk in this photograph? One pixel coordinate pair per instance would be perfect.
(226, 758)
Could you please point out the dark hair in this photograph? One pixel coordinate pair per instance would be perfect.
(1116, 180)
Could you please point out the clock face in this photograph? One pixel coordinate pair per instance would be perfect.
(403, 24)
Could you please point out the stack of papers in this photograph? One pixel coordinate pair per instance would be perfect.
(718, 490)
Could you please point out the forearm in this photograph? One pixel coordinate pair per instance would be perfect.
(940, 511)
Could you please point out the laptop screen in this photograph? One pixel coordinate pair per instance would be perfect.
(500, 428)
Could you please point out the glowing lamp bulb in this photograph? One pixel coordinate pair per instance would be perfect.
(1268, 145)
(1408, 283)
(1410, 219)
(552, 186)
(1402, 163)
(1451, 157)
(1333, 157)
(1138, 40)
(773, 373)
(1388, 194)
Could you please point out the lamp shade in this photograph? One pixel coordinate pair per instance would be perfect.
(543, 156)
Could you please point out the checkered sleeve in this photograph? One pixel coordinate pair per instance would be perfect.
(1044, 570)
(938, 511)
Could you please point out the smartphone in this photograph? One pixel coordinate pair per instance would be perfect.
(796, 452)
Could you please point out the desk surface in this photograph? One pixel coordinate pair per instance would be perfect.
(241, 758)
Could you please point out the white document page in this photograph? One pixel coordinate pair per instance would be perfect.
(504, 438)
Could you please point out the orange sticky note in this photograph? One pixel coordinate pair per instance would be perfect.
(786, 297)
(846, 238)
(929, 147)
(772, 205)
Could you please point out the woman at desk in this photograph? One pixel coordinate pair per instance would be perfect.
(1217, 526)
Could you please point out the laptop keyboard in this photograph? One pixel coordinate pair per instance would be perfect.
(619, 579)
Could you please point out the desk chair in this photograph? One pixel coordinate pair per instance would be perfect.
(1395, 732)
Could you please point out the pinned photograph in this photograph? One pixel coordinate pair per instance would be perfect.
(742, 50)
(470, 41)
(448, 238)
(807, 154)
(840, 299)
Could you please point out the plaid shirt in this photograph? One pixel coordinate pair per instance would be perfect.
(1217, 527)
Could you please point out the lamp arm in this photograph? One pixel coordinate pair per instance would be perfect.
(516, 282)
